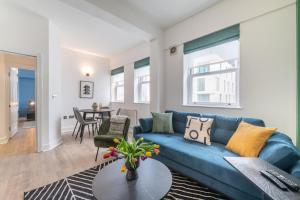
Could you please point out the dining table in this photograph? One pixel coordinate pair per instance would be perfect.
(100, 111)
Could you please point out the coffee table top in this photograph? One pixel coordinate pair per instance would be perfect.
(250, 168)
(153, 183)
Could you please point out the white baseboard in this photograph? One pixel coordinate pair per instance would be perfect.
(4, 140)
(48, 147)
(67, 129)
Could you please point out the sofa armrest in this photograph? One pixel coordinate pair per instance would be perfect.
(295, 171)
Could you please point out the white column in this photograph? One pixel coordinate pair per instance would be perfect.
(157, 75)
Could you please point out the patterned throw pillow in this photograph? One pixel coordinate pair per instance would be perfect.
(198, 129)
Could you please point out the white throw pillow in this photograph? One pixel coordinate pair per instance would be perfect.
(198, 129)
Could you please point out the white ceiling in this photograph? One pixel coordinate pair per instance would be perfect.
(166, 13)
(106, 27)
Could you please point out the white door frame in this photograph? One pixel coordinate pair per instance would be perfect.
(38, 97)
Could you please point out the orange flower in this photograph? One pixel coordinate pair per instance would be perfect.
(156, 151)
(148, 154)
(111, 148)
(123, 169)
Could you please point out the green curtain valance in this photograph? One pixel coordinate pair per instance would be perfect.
(225, 35)
(116, 71)
(142, 63)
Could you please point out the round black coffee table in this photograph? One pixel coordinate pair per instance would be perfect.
(153, 183)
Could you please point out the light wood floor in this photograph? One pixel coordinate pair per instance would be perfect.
(19, 173)
(23, 142)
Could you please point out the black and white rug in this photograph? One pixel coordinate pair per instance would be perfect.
(79, 187)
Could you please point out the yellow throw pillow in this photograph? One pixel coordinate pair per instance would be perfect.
(248, 140)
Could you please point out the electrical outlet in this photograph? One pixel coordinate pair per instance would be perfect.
(71, 116)
(65, 117)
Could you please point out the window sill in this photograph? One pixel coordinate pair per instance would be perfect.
(121, 102)
(212, 106)
(146, 103)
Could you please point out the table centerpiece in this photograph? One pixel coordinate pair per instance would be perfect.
(132, 152)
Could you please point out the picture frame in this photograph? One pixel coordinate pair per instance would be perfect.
(86, 89)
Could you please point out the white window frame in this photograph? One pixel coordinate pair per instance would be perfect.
(138, 87)
(188, 82)
(115, 89)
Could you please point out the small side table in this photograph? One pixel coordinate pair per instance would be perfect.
(250, 168)
(153, 183)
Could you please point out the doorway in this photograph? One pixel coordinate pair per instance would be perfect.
(21, 103)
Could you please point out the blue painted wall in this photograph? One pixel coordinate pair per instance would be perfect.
(26, 90)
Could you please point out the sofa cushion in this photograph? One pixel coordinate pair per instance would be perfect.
(198, 129)
(146, 124)
(162, 122)
(180, 119)
(248, 139)
(280, 152)
(205, 159)
(295, 171)
(224, 127)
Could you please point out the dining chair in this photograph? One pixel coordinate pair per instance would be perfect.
(87, 119)
(83, 123)
(74, 108)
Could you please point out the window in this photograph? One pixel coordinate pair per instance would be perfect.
(142, 81)
(212, 72)
(117, 85)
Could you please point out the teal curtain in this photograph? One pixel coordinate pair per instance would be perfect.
(142, 63)
(116, 71)
(225, 35)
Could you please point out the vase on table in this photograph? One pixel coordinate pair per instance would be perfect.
(132, 174)
(94, 106)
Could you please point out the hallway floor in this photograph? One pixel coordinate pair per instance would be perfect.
(25, 172)
(23, 142)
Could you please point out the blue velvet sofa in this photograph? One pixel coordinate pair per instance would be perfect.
(206, 164)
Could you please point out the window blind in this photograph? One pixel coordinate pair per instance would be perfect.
(116, 71)
(142, 63)
(225, 35)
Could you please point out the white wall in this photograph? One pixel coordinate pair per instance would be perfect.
(127, 60)
(55, 96)
(24, 32)
(267, 53)
(73, 65)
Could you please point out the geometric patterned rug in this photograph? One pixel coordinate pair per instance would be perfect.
(79, 187)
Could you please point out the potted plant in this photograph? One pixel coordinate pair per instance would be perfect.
(132, 153)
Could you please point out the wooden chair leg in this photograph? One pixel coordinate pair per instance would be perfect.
(75, 128)
(81, 133)
(97, 154)
(78, 131)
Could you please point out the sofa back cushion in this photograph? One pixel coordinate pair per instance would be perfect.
(180, 119)
(146, 124)
(222, 129)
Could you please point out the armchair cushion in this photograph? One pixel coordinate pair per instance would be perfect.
(105, 140)
(117, 124)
